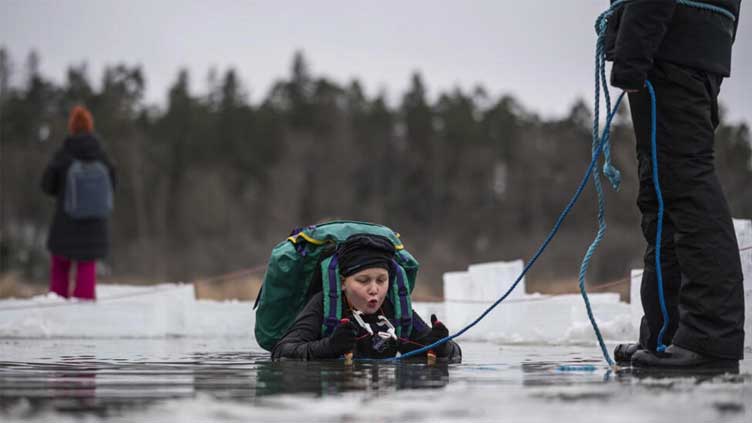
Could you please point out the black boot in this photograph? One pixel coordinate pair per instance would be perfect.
(676, 357)
(623, 353)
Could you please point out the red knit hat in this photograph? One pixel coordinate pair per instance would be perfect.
(80, 121)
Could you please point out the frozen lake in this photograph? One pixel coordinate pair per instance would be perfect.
(229, 379)
(158, 354)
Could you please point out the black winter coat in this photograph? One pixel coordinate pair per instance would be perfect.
(643, 31)
(304, 340)
(80, 240)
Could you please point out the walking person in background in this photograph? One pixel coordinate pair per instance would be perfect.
(82, 179)
(684, 50)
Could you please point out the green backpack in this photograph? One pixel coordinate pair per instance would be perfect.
(309, 255)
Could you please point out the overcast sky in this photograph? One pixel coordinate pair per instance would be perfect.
(540, 51)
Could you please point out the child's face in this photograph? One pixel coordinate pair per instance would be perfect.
(366, 289)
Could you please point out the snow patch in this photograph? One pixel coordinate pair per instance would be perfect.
(124, 311)
(168, 310)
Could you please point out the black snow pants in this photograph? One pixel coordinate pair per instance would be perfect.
(701, 269)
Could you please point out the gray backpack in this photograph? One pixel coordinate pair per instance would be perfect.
(88, 190)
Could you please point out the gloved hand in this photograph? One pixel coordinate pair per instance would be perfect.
(438, 331)
(344, 337)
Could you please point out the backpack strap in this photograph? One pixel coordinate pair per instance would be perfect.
(332, 297)
(71, 190)
(400, 295)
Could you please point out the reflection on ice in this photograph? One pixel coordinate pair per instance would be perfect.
(228, 379)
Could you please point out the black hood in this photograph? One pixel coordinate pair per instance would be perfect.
(84, 147)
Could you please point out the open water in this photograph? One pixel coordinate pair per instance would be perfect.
(232, 379)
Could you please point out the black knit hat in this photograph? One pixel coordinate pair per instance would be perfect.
(363, 251)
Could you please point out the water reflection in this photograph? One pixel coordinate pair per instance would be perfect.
(83, 384)
(332, 377)
(139, 378)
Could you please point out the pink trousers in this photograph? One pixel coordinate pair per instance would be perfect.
(86, 278)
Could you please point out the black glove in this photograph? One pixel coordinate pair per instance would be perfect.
(343, 338)
(438, 331)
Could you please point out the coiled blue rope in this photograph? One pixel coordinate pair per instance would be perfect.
(708, 7)
(608, 169)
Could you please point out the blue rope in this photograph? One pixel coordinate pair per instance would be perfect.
(600, 144)
(659, 274)
(535, 257)
(599, 236)
(608, 169)
(696, 4)
(600, 72)
(577, 368)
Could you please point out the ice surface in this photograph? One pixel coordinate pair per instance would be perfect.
(635, 301)
(125, 311)
(171, 310)
(200, 363)
(232, 380)
(526, 318)
(492, 280)
(483, 281)
(455, 286)
(536, 319)
(744, 238)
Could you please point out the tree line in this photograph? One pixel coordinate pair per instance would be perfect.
(210, 182)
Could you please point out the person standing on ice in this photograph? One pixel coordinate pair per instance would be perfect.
(81, 177)
(685, 52)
